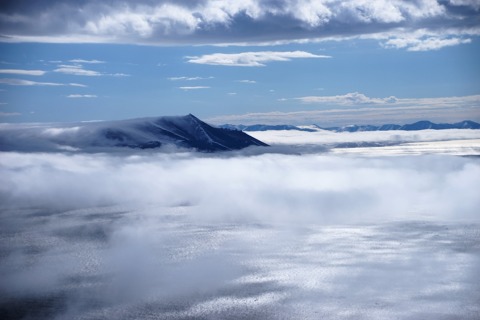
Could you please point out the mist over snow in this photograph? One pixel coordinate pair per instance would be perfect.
(240, 235)
(375, 143)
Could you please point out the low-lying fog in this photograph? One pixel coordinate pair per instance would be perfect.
(231, 236)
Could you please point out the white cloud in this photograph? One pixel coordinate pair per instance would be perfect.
(81, 96)
(80, 61)
(21, 82)
(247, 81)
(265, 236)
(453, 142)
(348, 99)
(194, 87)
(77, 70)
(23, 72)
(424, 44)
(251, 59)
(189, 78)
(77, 85)
(470, 3)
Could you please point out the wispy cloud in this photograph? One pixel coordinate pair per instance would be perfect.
(77, 85)
(21, 82)
(78, 70)
(81, 96)
(251, 59)
(86, 61)
(9, 114)
(189, 78)
(247, 81)
(194, 88)
(348, 99)
(23, 72)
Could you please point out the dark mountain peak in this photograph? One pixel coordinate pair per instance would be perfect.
(146, 133)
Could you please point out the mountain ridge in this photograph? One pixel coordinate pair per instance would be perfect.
(419, 125)
(187, 132)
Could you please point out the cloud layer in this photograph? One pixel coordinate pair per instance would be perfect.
(267, 236)
(358, 108)
(433, 23)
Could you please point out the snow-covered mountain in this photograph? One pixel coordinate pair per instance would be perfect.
(146, 133)
(420, 125)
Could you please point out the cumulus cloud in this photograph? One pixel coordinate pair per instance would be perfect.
(217, 22)
(251, 59)
(23, 72)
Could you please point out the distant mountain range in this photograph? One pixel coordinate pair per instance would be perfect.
(420, 125)
(147, 133)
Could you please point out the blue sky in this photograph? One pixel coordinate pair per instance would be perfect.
(300, 62)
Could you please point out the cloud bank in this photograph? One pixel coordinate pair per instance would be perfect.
(433, 23)
(183, 235)
(358, 108)
(266, 236)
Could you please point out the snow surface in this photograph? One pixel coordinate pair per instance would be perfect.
(337, 233)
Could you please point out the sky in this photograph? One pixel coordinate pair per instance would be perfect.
(324, 62)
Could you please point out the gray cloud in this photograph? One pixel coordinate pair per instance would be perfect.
(435, 23)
